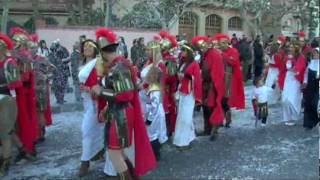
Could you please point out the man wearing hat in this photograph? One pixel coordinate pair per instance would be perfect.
(234, 95)
(26, 98)
(122, 112)
(168, 43)
(213, 85)
(9, 82)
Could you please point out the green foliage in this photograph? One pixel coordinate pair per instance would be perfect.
(51, 21)
(141, 16)
(30, 25)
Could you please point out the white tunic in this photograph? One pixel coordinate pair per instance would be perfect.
(262, 94)
(272, 78)
(291, 96)
(154, 112)
(185, 129)
(92, 130)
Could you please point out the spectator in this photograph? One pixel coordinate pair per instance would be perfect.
(59, 57)
(141, 53)
(43, 50)
(258, 57)
(133, 51)
(234, 41)
(123, 46)
(245, 57)
(75, 59)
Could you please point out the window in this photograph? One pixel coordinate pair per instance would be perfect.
(235, 23)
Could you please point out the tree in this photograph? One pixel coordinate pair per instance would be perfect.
(5, 12)
(154, 14)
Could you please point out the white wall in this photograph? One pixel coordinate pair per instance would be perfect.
(68, 36)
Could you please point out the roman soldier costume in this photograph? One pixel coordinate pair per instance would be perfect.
(234, 94)
(9, 82)
(123, 113)
(26, 99)
(168, 43)
(42, 68)
(213, 85)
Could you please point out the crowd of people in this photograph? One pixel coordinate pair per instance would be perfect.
(133, 106)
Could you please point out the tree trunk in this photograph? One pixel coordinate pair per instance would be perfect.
(107, 13)
(81, 12)
(4, 19)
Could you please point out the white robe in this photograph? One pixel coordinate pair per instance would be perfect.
(185, 129)
(92, 130)
(272, 78)
(291, 97)
(154, 112)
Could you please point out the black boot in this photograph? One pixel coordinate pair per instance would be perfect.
(214, 133)
(25, 155)
(228, 119)
(131, 169)
(4, 166)
(21, 155)
(84, 168)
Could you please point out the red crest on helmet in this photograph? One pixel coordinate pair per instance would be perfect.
(195, 40)
(7, 41)
(105, 37)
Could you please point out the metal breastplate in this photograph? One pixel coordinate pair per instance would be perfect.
(119, 80)
(172, 68)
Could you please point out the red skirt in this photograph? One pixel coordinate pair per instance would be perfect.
(113, 138)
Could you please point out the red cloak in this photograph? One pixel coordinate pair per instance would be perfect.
(191, 82)
(26, 102)
(279, 59)
(237, 98)
(213, 60)
(144, 158)
(169, 103)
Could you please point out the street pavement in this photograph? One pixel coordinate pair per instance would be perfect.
(240, 152)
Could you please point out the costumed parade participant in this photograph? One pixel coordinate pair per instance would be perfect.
(150, 93)
(168, 42)
(292, 95)
(273, 72)
(261, 93)
(27, 128)
(279, 59)
(42, 68)
(234, 94)
(92, 130)
(122, 112)
(9, 82)
(213, 90)
(190, 95)
(154, 112)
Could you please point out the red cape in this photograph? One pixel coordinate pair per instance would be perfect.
(26, 102)
(144, 158)
(279, 59)
(215, 63)
(169, 102)
(237, 98)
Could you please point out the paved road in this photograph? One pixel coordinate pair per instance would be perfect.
(241, 152)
